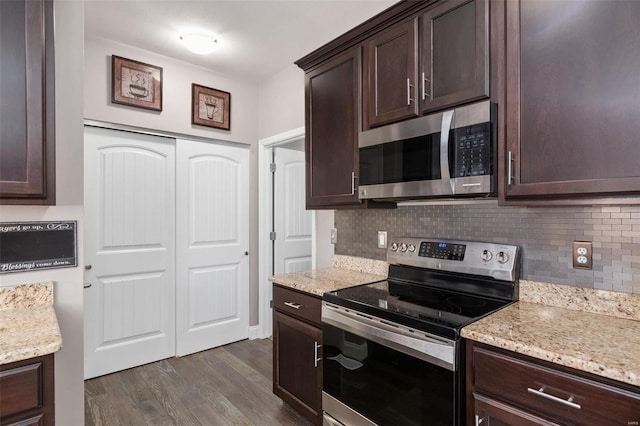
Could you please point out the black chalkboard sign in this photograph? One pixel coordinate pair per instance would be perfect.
(26, 246)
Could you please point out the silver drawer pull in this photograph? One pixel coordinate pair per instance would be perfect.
(315, 354)
(569, 402)
(293, 305)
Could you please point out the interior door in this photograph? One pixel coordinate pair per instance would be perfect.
(212, 244)
(292, 249)
(129, 250)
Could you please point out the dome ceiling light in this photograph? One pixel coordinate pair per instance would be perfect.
(200, 44)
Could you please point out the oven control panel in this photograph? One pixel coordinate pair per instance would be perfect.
(442, 250)
(499, 261)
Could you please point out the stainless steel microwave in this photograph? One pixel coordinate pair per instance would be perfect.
(448, 154)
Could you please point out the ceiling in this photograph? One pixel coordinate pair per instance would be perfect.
(257, 38)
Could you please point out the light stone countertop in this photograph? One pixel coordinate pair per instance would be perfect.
(346, 272)
(28, 323)
(605, 345)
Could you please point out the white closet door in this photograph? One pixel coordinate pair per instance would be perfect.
(129, 242)
(292, 221)
(212, 240)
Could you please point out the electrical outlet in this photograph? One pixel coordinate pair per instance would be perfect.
(382, 239)
(582, 255)
(334, 235)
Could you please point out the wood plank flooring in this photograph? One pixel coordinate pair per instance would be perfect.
(229, 385)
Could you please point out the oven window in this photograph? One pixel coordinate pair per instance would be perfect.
(407, 160)
(384, 385)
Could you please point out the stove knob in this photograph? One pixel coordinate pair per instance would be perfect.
(502, 257)
(486, 255)
(394, 246)
(412, 248)
(403, 247)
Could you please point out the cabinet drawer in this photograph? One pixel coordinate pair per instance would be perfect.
(297, 304)
(555, 394)
(20, 389)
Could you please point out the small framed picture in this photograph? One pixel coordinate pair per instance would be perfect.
(210, 107)
(136, 84)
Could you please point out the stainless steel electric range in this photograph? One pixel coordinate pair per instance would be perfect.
(392, 351)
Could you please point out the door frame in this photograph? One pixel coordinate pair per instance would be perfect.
(265, 255)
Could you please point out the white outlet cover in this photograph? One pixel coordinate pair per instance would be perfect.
(382, 239)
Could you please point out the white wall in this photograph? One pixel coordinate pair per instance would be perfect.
(281, 100)
(176, 94)
(68, 300)
(176, 115)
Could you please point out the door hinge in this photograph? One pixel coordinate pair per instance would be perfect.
(272, 235)
(272, 167)
(271, 304)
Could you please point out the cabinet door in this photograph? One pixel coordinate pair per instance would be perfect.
(572, 98)
(297, 370)
(392, 74)
(27, 392)
(332, 96)
(488, 412)
(455, 54)
(26, 109)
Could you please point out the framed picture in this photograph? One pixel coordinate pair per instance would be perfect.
(210, 107)
(136, 84)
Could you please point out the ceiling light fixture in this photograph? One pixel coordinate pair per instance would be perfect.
(199, 43)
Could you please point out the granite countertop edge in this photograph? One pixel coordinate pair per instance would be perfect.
(589, 352)
(28, 324)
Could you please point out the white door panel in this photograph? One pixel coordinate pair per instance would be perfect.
(129, 243)
(293, 222)
(212, 209)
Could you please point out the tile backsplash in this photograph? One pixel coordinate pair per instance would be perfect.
(544, 234)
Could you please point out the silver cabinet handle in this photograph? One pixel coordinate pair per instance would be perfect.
(409, 86)
(569, 402)
(315, 354)
(510, 178)
(425, 82)
(293, 305)
(479, 420)
(353, 182)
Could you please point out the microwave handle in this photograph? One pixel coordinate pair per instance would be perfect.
(447, 121)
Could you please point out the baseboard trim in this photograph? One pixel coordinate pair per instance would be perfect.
(255, 332)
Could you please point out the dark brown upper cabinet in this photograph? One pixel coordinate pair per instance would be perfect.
(27, 173)
(331, 141)
(572, 102)
(455, 54)
(432, 61)
(392, 74)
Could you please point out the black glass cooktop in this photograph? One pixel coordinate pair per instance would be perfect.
(437, 310)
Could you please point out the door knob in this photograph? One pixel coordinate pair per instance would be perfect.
(246, 253)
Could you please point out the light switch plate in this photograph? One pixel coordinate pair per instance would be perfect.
(334, 235)
(382, 239)
(582, 255)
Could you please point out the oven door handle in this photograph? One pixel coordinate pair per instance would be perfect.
(418, 344)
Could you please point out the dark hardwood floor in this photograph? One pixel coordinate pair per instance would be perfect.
(229, 385)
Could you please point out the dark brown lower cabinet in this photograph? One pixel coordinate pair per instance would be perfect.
(27, 392)
(505, 388)
(297, 352)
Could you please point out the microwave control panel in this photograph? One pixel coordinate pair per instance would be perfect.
(472, 150)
